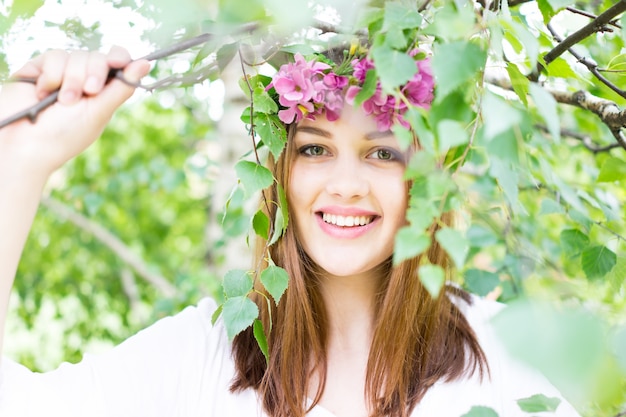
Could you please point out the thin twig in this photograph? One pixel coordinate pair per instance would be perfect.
(588, 30)
(608, 111)
(32, 112)
(611, 231)
(586, 140)
(591, 66)
(592, 16)
(252, 131)
(112, 242)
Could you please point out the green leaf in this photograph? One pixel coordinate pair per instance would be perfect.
(519, 82)
(400, 16)
(409, 243)
(617, 276)
(263, 103)
(573, 241)
(261, 224)
(546, 10)
(432, 277)
(507, 179)
(456, 63)
(567, 344)
(549, 206)
(450, 134)
(480, 411)
(527, 38)
(282, 215)
(216, 314)
(613, 169)
(455, 245)
(539, 403)
(226, 54)
(499, 115)
(481, 282)
(368, 89)
(237, 282)
(597, 261)
(481, 237)
(394, 68)
(547, 107)
(561, 68)
(253, 176)
(275, 280)
(272, 132)
(25, 8)
(239, 313)
(259, 335)
(623, 24)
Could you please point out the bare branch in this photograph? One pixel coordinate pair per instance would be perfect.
(593, 16)
(608, 112)
(130, 288)
(588, 30)
(32, 112)
(113, 243)
(591, 66)
(496, 4)
(586, 140)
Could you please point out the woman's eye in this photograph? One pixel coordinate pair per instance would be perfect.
(312, 150)
(384, 154)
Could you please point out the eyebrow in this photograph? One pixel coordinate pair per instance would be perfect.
(314, 131)
(324, 133)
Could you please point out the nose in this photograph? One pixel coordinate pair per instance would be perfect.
(347, 178)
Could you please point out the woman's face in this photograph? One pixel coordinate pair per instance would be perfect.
(347, 194)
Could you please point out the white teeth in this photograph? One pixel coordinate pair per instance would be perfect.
(346, 221)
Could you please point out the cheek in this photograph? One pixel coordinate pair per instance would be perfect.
(393, 194)
(300, 189)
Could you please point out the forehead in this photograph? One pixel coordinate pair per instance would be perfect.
(353, 119)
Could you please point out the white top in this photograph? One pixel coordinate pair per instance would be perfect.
(182, 366)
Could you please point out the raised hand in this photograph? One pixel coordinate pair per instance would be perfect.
(86, 102)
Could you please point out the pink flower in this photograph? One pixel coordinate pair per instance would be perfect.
(361, 66)
(307, 88)
(419, 90)
(296, 85)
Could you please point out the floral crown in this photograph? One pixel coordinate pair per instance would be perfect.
(308, 87)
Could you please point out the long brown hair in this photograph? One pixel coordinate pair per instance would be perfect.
(417, 340)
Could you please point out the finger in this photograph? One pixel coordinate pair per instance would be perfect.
(117, 91)
(52, 65)
(32, 69)
(97, 72)
(74, 77)
(118, 57)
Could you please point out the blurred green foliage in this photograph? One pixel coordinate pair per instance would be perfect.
(543, 221)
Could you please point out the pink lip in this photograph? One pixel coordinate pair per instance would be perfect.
(342, 232)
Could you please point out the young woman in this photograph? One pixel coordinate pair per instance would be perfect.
(353, 336)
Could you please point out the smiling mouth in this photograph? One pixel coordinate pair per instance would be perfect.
(346, 221)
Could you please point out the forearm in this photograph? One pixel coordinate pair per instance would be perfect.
(20, 193)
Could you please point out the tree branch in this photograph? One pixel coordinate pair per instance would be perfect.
(591, 66)
(609, 112)
(591, 28)
(32, 112)
(593, 16)
(586, 140)
(112, 242)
